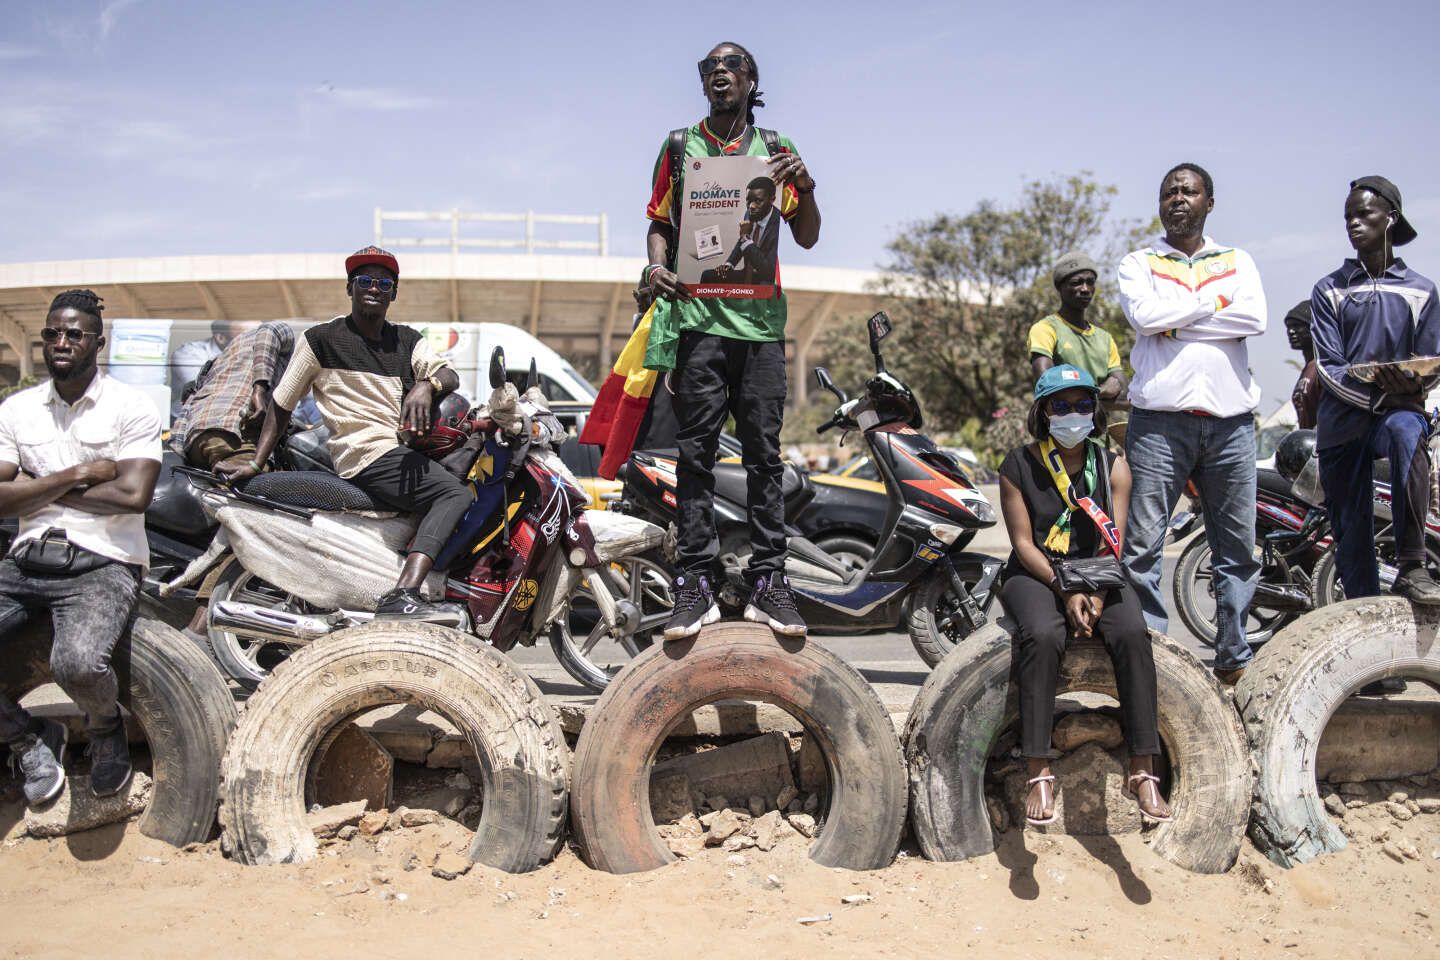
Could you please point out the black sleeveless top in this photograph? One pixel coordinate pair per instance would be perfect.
(1028, 472)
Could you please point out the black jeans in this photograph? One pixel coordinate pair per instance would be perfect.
(715, 376)
(1043, 634)
(411, 482)
(90, 612)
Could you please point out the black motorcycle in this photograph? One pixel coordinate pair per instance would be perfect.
(920, 571)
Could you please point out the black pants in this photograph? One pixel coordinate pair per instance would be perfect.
(1040, 615)
(89, 613)
(411, 482)
(715, 376)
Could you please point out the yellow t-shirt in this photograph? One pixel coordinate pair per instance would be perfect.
(1092, 349)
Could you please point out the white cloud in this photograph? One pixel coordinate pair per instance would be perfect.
(110, 14)
(373, 98)
(14, 51)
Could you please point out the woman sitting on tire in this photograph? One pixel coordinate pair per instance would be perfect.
(1064, 499)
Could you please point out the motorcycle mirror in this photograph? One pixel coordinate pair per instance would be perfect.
(879, 326)
(497, 368)
(532, 379)
(822, 377)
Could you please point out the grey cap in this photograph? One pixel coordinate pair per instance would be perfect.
(1072, 263)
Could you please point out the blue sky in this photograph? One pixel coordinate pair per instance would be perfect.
(156, 127)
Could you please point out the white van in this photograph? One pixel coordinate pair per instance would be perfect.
(163, 356)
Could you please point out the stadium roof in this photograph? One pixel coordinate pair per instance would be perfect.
(579, 305)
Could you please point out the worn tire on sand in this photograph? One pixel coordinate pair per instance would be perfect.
(737, 660)
(502, 714)
(968, 702)
(178, 698)
(1293, 687)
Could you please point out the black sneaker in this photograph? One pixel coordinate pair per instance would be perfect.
(40, 758)
(1416, 585)
(109, 761)
(405, 603)
(694, 607)
(773, 602)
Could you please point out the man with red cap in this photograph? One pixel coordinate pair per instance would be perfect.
(371, 379)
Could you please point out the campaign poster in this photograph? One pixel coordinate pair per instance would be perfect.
(729, 239)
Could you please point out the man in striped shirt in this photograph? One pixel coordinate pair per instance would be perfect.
(1193, 303)
(1375, 308)
(373, 379)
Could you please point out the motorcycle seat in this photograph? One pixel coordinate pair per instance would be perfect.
(314, 490)
(730, 482)
(1272, 482)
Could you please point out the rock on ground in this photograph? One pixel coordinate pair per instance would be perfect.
(1074, 730)
(327, 821)
(78, 809)
(759, 766)
(450, 866)
(723, 825)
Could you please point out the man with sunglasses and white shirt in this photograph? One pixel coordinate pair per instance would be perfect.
(371, 380)
(730, 355)
(79, 457)
(1374, 308)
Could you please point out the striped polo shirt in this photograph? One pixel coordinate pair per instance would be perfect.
(359, 385)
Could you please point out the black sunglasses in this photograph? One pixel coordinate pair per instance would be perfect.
(383, 284)
(71, 334)
(1063, 407)
(731, 62)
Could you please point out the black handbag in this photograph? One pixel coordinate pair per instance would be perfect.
(52, 554)
(1090, 574)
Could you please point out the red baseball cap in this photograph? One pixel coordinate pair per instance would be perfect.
(372, 255)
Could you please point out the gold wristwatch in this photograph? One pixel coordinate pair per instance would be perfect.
(435, 384)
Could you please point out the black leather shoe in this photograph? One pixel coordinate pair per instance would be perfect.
(1416, 585)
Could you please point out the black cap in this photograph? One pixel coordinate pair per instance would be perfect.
(1403, 232)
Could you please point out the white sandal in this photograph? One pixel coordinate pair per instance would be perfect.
(1054, 797)
(1135, 795)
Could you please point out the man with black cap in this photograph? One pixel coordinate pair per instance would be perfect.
(373, 379)
(1306, 395)
(1066, 336)
(1375, 309)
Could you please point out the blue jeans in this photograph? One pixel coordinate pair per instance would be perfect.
(1347, 474)
(1164, 449)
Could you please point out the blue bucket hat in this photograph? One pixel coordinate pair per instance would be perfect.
(1063, 377)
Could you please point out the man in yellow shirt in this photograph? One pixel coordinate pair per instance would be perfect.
(1065, 336)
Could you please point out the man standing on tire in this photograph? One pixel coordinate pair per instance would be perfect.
(730, 359)
(1375, 309)
(1193, 303)
(373, 379)
(79, 457)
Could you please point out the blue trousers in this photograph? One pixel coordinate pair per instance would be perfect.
(1346, 472)
(1164, 449)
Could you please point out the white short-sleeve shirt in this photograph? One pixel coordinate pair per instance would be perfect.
(42, 434)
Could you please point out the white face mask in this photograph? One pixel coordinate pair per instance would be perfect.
(1071, 428)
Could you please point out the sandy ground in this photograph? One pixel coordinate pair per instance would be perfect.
(116, 894)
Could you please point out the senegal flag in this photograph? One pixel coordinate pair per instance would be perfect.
(615, 418)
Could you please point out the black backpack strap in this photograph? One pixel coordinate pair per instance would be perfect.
(675, 153)
(771, 140)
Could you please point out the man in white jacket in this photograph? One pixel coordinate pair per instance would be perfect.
(1193, 303)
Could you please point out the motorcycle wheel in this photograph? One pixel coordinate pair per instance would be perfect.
(642, 588)
(848, 549)
(248, 660)
(1193, 588)
(935, 623)
(1325, 587)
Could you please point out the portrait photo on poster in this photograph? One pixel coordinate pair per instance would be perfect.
(729, 228)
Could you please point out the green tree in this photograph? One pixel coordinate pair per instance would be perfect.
(963, 291)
